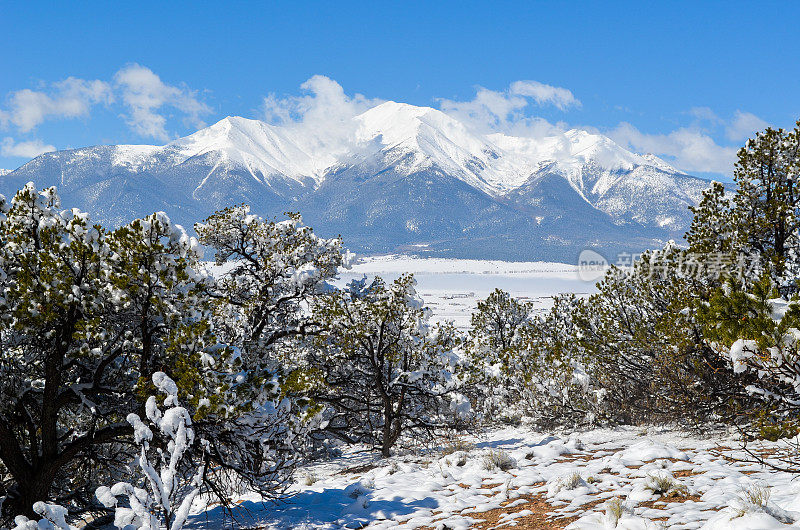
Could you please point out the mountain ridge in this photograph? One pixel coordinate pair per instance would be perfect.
(394, 177)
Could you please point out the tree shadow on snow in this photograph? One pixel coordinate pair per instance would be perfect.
(495, 444)
(309, 509)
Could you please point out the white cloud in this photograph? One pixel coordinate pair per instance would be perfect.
(140, 90)
(27, 149)
(503, 111)
(145, 95)
(694, 148)
(743, 126)
(324, 115)
(71, 98)
(687, 148)
(705, 114)
(544, 94)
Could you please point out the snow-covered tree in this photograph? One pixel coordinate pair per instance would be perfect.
(497, 354)
(268, 273)
(645, 346)
(767, 202)
(522, 365)
(713, 228)
(168, 484)
(758, 333)
(87, 316)
(558, 388)
(761, 217)
(271, 271)
(379, 368)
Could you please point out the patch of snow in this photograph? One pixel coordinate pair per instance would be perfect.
(432, 489)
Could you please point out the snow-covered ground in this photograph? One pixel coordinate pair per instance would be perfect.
(575, 480)
(570, 480)
(451, 288)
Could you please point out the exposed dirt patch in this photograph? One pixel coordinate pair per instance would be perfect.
(541, 516)
(668, 459)
(576, 457)
(683, 473)
(663, 501)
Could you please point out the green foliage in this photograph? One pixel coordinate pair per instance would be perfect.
(758, 334)
(713, 228)
(761, 217)
(733, 313)
(558, 380)
(646, 349)
(87, 315)
(770, 427)
(496, 352)
(766, 199)
(383, 371)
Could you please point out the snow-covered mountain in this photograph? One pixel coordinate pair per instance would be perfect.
(4, 172)
(397, 177)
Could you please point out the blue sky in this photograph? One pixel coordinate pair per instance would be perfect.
(687, 80)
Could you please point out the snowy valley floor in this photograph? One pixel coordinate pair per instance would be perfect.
(451, 288)
(547, 481)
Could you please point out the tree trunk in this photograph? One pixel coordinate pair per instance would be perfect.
(26, 493)
(386, 443)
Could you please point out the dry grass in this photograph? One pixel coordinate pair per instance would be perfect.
(454, 444)
(666, 486)
(615, 509)
(754, 497)
(498, 459)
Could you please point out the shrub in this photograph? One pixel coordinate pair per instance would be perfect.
(498, 459)
(665, 485)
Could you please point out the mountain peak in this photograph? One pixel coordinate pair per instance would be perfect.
(395, 175)
(398, 122)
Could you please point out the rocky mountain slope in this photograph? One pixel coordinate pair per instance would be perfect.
(398, 178)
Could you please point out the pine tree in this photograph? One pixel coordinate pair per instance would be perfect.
(767, 200)
(86, 318)
(558, 386)
(382, 372)
(268, 274)
(713, 229)
(89, 315)
(497, 355)
(640, 334)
